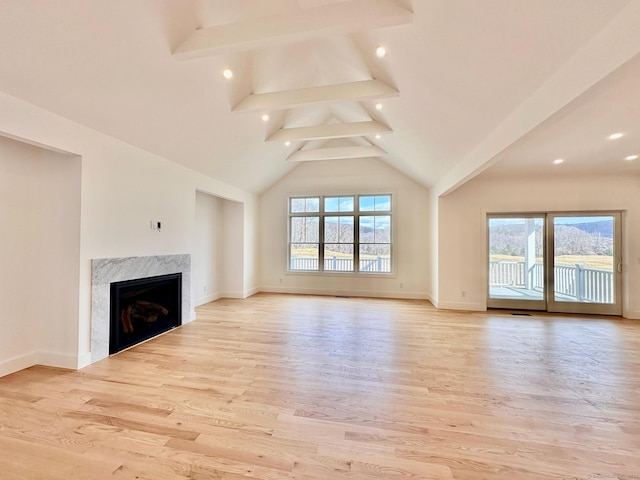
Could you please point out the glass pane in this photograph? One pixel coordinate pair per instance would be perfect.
(375, 203)
(305, 229)
(338, 229)
(312, 204)
(346, 230)
(338, 204)
(338, 257)
(367, 229)
(375, 258)
(331, 204)
(583, 257)
(516, 268)
(303, 205)
(367, 204)
(298, 205)
(383, 203)
(375, 229)
(331, 229)
(304, 256)
(382, 231)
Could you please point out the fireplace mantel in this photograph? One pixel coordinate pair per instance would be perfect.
(104, 271)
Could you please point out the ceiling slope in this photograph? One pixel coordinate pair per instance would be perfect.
(461, 85)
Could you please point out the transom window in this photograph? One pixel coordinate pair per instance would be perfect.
(345, 233)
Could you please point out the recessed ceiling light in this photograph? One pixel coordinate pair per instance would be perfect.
(558, 161)
(379, 106)
(227, 73)
(378, 137)
(631, 157)
(381, 51)
(287, 143)
(615, 136)
(265, 118)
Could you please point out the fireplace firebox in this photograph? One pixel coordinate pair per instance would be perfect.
(144, 308)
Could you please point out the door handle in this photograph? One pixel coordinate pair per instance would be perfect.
(619, 267)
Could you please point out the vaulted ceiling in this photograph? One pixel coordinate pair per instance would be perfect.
(496, 86)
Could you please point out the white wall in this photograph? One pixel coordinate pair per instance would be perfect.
(39, 256)
(122, 189)
(207, 264)
(234, 261)
(434, 233)
(410, 234)
(462, 228)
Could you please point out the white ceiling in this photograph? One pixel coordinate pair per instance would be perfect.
(495, 86)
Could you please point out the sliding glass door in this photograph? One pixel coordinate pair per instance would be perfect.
(586, 263)
(516, 262)
(559, 262)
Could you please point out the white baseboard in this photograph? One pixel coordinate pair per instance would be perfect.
(466, 306)
(207, 299)
(433, 300)
(251, 292)
(232, 295)
(633, 315)
(16, 364)
(60, 360)
(346, 293)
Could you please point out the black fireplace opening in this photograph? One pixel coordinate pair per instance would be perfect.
(144, 308)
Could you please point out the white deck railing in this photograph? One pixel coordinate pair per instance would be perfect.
(338, 264)
(576, 281)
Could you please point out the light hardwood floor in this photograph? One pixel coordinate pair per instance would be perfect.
(303, 387)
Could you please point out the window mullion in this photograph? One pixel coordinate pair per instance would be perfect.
(356, 240)
(321, 239)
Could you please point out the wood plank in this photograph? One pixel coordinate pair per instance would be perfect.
(304, 387)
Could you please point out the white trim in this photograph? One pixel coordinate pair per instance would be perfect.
(464, 306)
(84, 360)
(251, 292)
(18, 363)
(59, 360)
(207, 299)
(346, 293)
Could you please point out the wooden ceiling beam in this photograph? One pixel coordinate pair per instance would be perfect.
(336, 153)
(340, 18)
(325, 132)
(341, 92)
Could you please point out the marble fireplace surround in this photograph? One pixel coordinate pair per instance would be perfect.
(104, 271)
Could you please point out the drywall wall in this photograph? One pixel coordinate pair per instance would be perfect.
(17, 174)
(434, 245)
(462, 256)
(122, 190)
(206, 260)
(39, 256)
(234, 248)
(411, 241)
(55, 248)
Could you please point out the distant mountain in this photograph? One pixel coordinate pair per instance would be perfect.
(604, 228)
(592, 238)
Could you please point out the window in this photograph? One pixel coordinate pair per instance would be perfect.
(346, 233)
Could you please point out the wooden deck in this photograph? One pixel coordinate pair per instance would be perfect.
(301, 387)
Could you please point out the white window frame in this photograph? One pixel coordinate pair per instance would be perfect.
(356, 213)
